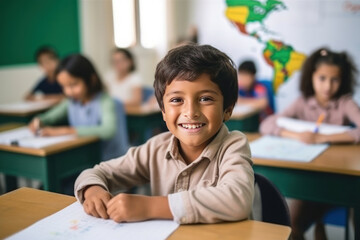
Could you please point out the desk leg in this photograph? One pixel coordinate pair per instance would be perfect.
(10, 183)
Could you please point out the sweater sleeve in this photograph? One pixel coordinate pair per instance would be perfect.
(352, 111)
(107, 128)
(55, 115)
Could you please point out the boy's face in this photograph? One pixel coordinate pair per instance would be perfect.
(48, 64)
(193, 111)
(245, 80)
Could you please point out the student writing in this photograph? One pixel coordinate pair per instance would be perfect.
(88, 110)
(198, 171)
(327, 84)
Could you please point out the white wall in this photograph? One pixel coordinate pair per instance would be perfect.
(16, 81)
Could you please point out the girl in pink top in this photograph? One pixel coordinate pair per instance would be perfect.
(327, 84)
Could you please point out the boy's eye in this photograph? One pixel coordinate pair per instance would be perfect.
(176, 100)
(205, 99)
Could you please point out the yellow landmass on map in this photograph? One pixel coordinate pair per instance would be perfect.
(237, 14)
(279, 75)
(295, 62)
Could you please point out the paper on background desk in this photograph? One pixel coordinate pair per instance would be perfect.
(25, 138)
(297, 125)
(241, 109)
(20, 107)
(73, 223)
(271, 147)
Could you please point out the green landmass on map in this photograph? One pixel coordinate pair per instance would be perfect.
(283, 58)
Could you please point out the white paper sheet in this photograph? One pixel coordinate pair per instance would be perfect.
(73, 223)
(25, 138)
(297, 125)
(271, 147)
(21, 107)
(241, 109)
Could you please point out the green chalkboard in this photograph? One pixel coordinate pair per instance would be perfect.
(25, 25)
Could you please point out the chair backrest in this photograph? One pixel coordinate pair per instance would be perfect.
(274, 208)
(119, 144)
(147, 92)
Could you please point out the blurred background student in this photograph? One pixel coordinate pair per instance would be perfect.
(47, 87)
(123, 82)
(88, 110)
(252, 92)
(327, 83)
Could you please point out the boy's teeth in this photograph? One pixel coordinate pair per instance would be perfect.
(191, 126)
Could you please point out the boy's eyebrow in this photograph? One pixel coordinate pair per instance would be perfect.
(202, 91)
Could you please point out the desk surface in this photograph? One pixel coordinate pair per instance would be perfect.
(46, 150)
(338, 158)
(23, 207)
(26, 108)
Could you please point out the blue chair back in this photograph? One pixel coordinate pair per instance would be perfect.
(274, 208)
(119, 144)
(147, 93)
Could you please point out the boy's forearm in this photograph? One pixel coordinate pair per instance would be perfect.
(159, 208)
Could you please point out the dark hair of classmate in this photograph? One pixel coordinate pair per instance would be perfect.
(80, 67)
(248, 67)
(46, 50)
(188, 62)
(326, 56)
(128, 55)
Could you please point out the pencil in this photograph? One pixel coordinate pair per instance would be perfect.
(318, 122)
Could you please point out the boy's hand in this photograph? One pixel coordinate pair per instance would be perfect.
(129, 208)
(96, 199)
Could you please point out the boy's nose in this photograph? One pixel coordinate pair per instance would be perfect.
(192, 111)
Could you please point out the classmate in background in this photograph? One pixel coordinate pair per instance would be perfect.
(88, 110)
(48, 60)
(199, 171)
(123, 82)
(250, 91)
(327, 84)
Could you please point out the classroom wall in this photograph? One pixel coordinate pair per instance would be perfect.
(26, 25)
(303, 25)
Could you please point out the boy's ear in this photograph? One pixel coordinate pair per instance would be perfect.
(227, 113)
(163, 114)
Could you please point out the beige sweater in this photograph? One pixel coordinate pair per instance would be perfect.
(218, 186)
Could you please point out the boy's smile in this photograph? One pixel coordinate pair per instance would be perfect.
(193, 112)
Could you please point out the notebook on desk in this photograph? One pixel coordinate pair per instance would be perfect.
(73, 223)
(23, 137)
(297, 125)
(271, 147)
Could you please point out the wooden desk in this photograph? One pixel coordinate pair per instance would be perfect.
(49, 164)
(10, 113)
(141, 121)
(333, 177)
(23, 207)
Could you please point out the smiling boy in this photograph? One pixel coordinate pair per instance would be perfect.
(199, 171)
